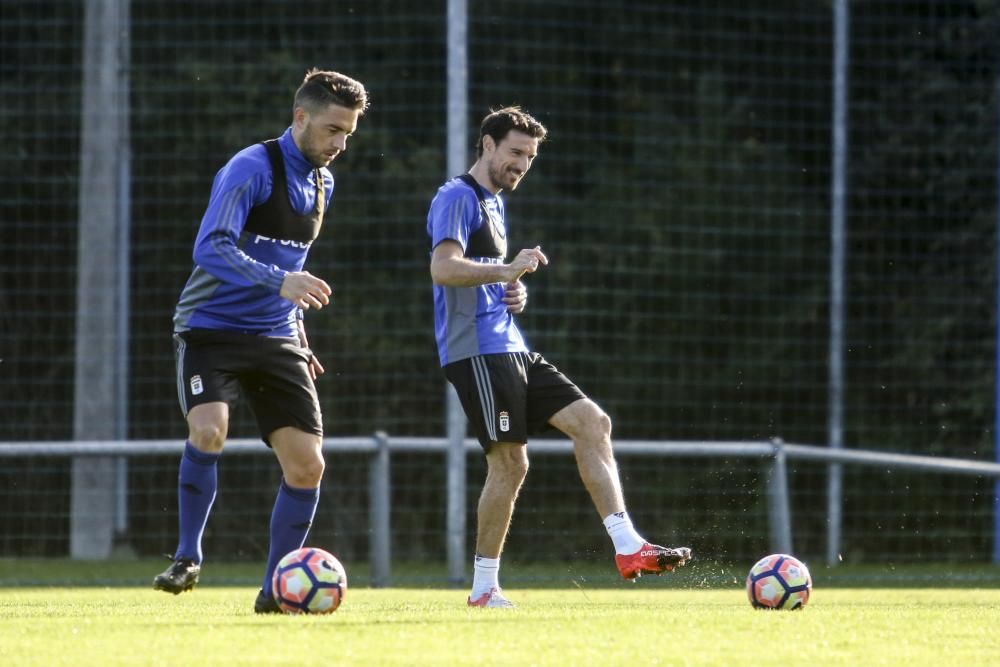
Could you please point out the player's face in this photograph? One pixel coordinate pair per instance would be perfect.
(322, 136)
(510, 160)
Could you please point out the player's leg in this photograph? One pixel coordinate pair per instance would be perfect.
(283, 398)
(554, 400)
(300, 455)
(589, 427)
(202, 392)
(197, 480)
(506, 468)
(492, 389)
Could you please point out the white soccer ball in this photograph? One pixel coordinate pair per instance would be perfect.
(309, 581)
(779, 581)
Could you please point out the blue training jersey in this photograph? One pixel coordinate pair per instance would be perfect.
(237, 276)
(470, 321)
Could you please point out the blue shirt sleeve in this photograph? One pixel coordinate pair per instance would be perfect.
(239, 186)
(454, 215)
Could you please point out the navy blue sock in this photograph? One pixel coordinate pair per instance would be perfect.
(290, 522)
(197, 483)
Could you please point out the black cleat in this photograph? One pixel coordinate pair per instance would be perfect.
(265, 604)
(181, 576)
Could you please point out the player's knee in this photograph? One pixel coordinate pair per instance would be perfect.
(305, 474)
(208, 436)
(597, 426)
(314, 468)
(509, 462)
(517, 469)
(603, 424)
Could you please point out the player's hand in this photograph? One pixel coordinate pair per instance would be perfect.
(515, 295)
(315, 368)
(305, 290)
(527, 261)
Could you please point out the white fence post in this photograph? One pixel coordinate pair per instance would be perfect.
(101, 378)
(457, 156)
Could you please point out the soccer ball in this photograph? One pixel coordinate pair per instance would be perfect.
(779, 581)
(309, 581)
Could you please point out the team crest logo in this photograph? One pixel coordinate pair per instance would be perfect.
(196, 387)
(504, 421)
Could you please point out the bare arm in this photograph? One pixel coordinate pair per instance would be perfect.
(449, 267)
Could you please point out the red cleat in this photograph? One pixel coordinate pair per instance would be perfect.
(651, 559)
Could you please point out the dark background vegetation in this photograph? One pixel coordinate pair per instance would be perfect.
(683, 198)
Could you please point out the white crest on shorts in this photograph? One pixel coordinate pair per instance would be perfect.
(196, 387)
(504, 421)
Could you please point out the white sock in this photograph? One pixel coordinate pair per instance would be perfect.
(622, 533)
(485, 576)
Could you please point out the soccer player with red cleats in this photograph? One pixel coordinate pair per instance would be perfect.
(651, 559)
(507, 390)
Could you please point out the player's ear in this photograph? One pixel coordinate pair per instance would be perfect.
(488, 144)
(300, 117)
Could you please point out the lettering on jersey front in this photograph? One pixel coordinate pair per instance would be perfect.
(259, 238)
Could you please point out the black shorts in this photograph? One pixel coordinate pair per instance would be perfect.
(508, 396)
(273, 374)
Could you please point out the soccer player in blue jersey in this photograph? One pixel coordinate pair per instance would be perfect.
(507, 391)
(239, 328)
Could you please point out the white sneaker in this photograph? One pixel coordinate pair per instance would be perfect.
(494, 598)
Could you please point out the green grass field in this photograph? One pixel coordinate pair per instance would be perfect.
(658, 621)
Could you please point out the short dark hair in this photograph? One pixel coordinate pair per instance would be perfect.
(321, 88)
(501, 121)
